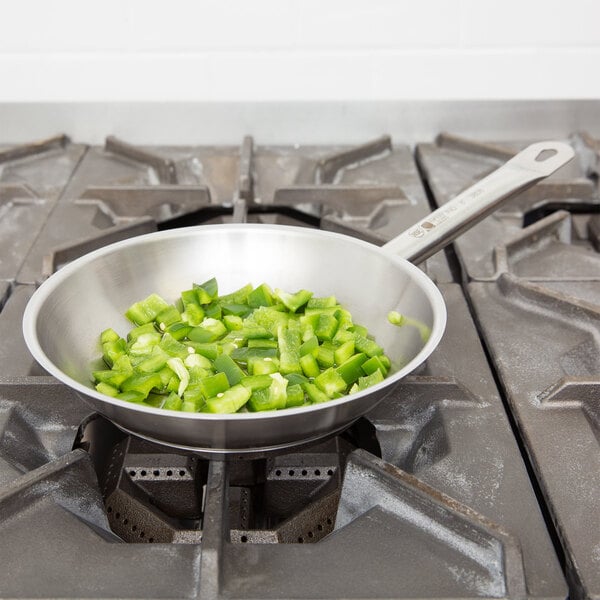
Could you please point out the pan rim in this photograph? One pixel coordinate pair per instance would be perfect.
(31, 314)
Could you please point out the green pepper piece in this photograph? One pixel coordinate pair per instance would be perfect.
(366, 345)
(293, 301)
(343, 352)
(309, 346)
(238, 310)
(350, 370)
(254, 332)
(111, 351)
(267, 317)
(107, 389)
(245, 354)
(344, 319)
(295, 396)
(176, 365)
(197, 374)
(165, 375)
(359, 330)
(146, 310)
(296, 379)
(155, 362)
(172, 347)
(395, 318)
(325, 302)
(189, 297)
(209, 330)
(260, 296)
(326, 327)
(215, 384)
(123, 363)
(229, 401)
(272, 398)
(155, 400)
(256, 382)
(142, 383)
(109, 335)
(193, 399)
(227, 365)
(173, 402)
(240, 296)
(260, 343)
(209, 350)
(167, 317)
(288, 341)
(369, 380)
(111, 376)
(131, 396)
(371, 365)
(193, 315)
(233, 323)
(207, 291)
(213, 311)
(309, 365)
(343, 335)
(311, 313)
(314, 394)
(136, 332)
(178, 330)
(197, 360)
(173, 384)
(144, 344)
(330, 382)
(385, 361)
(325, 356)
(262, 366)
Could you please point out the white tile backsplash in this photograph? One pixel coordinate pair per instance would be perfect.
(311, 50)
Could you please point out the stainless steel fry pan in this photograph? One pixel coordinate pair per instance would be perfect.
(64, 317)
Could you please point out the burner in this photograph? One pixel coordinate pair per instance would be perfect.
(157, 495)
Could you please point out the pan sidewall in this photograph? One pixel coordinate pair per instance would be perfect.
(366, 267)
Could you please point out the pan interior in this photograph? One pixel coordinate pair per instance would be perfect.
(71, 309)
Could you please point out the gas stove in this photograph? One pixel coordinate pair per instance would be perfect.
(478, 477)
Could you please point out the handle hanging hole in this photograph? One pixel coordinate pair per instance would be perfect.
(545, 155)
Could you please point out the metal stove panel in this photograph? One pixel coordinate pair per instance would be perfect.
(55, 542)
(5, 288)
(14, 356)
(450, 167)
(32, 179)
(39, 419)
(554, 399)
(373, 191)
(450, 494)
(119, 191)
(446, 448)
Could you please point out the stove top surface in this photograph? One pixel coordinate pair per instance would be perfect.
(473, 479)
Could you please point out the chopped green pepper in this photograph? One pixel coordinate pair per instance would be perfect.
(252, 349)
(229, 401)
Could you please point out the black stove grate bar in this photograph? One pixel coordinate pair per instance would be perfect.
(354, 199)
(62, 255)
(33, 148)
(588, 150)
(455, 142)
(9, 192)
(164, 167)
(329, 167)
(246, 177)
(161, 202)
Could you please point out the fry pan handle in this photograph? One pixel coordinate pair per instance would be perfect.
(466, 209)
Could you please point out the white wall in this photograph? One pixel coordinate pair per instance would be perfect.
(243, 50)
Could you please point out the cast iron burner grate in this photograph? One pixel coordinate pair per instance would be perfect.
(157, 495)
